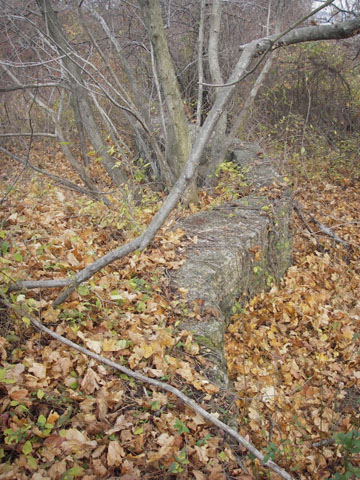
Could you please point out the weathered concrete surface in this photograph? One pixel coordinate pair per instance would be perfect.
(241, 248)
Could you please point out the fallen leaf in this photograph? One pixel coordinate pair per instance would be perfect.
(115, 454)
(38, 369)
(90, 381)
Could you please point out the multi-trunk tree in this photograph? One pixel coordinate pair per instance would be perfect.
(136, 86)
(141, 87)
(75, 66)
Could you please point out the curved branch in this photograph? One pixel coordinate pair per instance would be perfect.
(39, 134)
(292, 36)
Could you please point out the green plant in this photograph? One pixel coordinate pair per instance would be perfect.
(16, 436)
(271, 451)
(232, 180)
(350, 446)
(181, 461)
(181, 427)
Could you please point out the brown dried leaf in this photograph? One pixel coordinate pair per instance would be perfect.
(115, 454)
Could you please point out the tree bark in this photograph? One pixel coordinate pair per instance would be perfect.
(80, 130)
(178, 141)
(200, 65)
(214, 34)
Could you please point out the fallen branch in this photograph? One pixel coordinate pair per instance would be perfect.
(327, 231)
(322, 228)
(323, 443)
(30, 284)
(164, 386)
(300, 214)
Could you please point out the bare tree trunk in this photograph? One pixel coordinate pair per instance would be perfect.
(80, 130)
(78, 89)
(217, 79)
(214, 63)
(158, 91)
(200, 65)
(179, 143)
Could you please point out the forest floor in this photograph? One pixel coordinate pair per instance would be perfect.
(293, 352)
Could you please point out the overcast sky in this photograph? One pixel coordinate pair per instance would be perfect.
(343, 4)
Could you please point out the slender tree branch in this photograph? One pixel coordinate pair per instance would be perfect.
(56, 178)
(328, 231)
(35, 134)
(200, 64)
(17, 178)
(265, 45)
(158, 91)
(31, 64)
(12, 88)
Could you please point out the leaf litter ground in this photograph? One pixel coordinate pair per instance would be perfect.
(292, 353)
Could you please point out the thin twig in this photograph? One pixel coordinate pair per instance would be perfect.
(63, 181)
(322, 228)
(27, 160)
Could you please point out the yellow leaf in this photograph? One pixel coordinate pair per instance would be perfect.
(198, 475)
(77, 442)
(268, 394)
(94, 345)
(53, 418)
(322, 358)
(110, 345)
(72, 259)
(185, 371)
(211, 388)
(148, 350)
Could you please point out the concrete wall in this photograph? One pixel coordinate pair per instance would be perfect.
(242, 248)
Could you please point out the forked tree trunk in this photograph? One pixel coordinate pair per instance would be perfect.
(136, 101)
(178, 136)
(78, 89)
